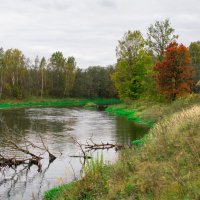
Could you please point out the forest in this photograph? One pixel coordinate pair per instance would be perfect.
(55, 77)
(156, 67)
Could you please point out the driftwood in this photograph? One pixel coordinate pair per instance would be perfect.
(51, 156)
(11, 161)
(102, 145)
(85, 156)
(26, 151)
(92, 146)
(31, 158)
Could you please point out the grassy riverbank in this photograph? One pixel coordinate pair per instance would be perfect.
(35, 102)
(130, 112)
(166, 166)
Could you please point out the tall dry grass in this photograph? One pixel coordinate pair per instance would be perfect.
(169, 162)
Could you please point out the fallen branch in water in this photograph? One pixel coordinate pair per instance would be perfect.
(10, 161)
(30, 157)
(51, 156)
(26, 151)
(95, 146)
(88, 157)
(14, 162)
(85, 156)
(92, 146)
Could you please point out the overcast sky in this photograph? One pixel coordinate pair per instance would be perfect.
(89, 29)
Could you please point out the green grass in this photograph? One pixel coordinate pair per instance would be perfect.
(93, 182)
(56, 191)
(130, 113)
(55, 102)
(165, 167)
(90, 105)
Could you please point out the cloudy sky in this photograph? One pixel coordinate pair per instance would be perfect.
(89, 29)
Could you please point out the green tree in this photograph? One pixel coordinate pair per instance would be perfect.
(1, 71)
(159, 36)
(95, 81)
(80, 87)
(69, 75)
(57, 67)
(133, 61)
(194, 50)
(42, 68)
(130, 46)
(14, 64)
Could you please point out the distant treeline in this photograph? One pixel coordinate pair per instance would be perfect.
(156, 67)
(55, 77)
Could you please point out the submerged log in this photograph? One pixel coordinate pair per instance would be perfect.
(88, 147)
(103, 146)
(101, 107)
(14, 162)
(32, 159)
(51, 156)
(26, 151)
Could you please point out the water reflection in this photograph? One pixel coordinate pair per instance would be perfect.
(57, 125)
(127, 131)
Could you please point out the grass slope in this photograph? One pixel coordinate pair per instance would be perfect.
(165, 167)
(130, 113)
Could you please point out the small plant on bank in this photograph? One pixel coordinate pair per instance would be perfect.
(93, 166)
(90, 105)
(92, 184)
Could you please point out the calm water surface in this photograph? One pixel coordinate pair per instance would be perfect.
(57, 126)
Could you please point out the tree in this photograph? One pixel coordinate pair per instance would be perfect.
(57, 77)
(133, 61)
(94, 81)
(80, 84)
(1, 71)
(57, 64)
(159, 36)
(69, 75)
(15, 67)
(194, 50)
(42, 67)
(130, 46)
(174, 77)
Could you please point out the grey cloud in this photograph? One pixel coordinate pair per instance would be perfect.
(89, 29)
(107, 3)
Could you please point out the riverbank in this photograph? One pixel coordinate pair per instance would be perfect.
(45, 102)
(129, 112)
(166, 166)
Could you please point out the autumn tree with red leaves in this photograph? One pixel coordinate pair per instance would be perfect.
(174, 77)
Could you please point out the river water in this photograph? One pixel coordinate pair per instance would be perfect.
(57, 126)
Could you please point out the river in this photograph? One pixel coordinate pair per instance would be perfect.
(57, 126)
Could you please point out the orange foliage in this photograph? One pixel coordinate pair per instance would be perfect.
(174, 77)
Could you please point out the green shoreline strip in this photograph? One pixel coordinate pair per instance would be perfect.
(131, 114)
(73, 102)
